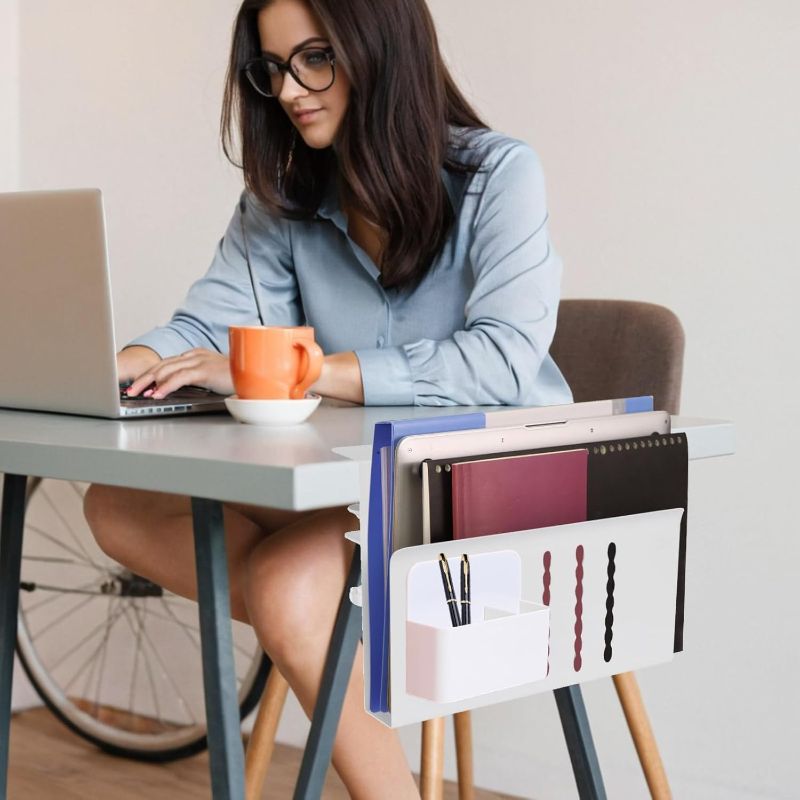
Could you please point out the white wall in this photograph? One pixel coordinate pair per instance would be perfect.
(9, 95)
(669, 136)
(126, 96)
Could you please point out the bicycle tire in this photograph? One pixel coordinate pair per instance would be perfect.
(74, 718)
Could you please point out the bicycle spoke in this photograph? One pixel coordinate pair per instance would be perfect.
(53, 540)
(180, 602)
(35, 606)
(83, 641)
(106, 636)
(50, 625)
(109, 562)
(80, 494)
(173, 617)
(66, 524)
(55, 560)
(149, 671)
(183, 603)
(92, 659)
(46, 587)
(135, 670)
(193, 628)
(190, 629)
(90, 676)
(165, 673)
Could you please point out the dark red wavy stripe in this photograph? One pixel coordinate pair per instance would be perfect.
(578, 607)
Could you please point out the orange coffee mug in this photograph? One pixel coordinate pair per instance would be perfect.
(272, 363)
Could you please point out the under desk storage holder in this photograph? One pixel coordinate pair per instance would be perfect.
(609, 585)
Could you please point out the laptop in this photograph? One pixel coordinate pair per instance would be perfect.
(57, 348)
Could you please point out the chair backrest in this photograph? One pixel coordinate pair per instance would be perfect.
(620, 348)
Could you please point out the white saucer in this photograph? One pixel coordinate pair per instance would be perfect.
(272, 412)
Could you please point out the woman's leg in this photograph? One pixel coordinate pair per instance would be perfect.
(151, 533)
(293, 590)
(293, 582)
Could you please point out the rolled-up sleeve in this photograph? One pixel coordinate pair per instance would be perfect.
(224, 296)
(501, 355)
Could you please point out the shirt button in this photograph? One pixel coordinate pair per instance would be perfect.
(380, 341)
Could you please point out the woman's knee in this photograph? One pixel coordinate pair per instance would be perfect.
(279, 602)
(113, 514)
(100, 507)
(292, 585)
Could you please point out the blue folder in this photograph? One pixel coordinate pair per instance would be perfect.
(387, 435)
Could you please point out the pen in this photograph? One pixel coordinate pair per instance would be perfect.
(466, 605)
(449, 594)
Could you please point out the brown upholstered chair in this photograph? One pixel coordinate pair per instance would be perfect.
(606, 349)
(620, 348)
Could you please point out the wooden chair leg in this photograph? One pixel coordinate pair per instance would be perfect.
(431, 773)
(462, 724)
(632, 706)
(262, 740)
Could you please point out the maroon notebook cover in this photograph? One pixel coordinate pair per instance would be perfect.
(501, 495)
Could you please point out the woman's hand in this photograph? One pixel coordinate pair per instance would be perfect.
(134, 360)
(194, 368)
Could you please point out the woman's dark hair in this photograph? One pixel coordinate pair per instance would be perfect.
(392, 142)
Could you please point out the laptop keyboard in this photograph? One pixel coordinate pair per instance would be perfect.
(188, 394)
(143, 401)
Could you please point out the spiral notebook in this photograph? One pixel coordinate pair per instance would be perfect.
(626, 476)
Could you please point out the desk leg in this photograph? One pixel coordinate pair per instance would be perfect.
(226, 754)
(579, 743)
(11, 525)
(335, 677)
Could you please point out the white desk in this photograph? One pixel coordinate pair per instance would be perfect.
(215, 457)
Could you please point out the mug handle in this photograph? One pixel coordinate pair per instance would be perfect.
(314, 356)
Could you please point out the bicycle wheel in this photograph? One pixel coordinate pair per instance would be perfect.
(114, 656)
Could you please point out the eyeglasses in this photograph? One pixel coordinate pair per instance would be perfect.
(313, 68)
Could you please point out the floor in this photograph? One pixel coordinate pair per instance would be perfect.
(48, 762)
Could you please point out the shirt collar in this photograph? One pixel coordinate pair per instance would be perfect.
(329, 208)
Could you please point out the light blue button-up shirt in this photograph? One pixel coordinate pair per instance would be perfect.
(475, 331)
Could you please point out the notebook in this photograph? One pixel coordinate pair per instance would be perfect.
(638, 475)
(624, 476)
(502, 495)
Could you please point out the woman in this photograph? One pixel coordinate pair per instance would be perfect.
(381, 210)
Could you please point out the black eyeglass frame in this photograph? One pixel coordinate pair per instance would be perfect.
(286, 66)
